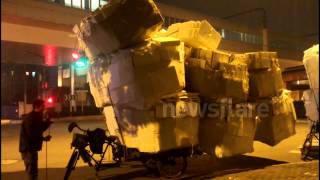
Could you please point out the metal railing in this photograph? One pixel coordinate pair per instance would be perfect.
(89, 5)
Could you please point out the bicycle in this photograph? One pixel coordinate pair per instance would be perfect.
(169, 164)
(308, 148)
(95, 139)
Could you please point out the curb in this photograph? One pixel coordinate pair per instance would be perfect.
(86, 118)
(305, 170)
(303, 121)
(64, 119)
(295, 163)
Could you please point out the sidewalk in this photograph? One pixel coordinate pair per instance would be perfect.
(301, 170)
(298, 171)
(62, 119)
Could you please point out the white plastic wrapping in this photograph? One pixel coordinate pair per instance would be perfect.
(198, 34)
(98, 88)
(311, 64)
(310, 105)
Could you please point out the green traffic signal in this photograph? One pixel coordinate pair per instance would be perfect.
(82, 63)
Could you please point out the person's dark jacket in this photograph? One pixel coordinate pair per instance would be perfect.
(31, 132)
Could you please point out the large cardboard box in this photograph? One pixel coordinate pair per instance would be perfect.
(198, 34)
(277, 119)
(213, 58)
(228, 133)
(118, 24)
(216, 77)
(265, 83)
(262, 60)
(265, 78)
(139, 77)
(180, 105)
(187, 51)
(141, 129)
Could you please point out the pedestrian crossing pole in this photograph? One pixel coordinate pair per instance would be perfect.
(73, 106)
(47, 157)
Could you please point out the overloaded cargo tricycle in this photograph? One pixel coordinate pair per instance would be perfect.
(166, 94)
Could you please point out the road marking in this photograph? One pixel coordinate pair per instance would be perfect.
(310, 174)
(5, 121)
(16, 122)
(295, 151)
(8, 161)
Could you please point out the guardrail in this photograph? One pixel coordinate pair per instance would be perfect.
(89, 5)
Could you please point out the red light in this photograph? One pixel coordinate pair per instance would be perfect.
(50, 100)
(50, 53)
(75, 55)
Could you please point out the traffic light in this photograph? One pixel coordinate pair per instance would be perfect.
(75, 56)
(81, 63)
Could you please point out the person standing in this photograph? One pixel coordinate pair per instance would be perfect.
(31, 137)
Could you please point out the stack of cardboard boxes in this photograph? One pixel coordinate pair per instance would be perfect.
(217, 77)
(276, 119)
(214, 75)
(273, 104)
(265, 79)
(154, 85)
(249, 79)
(132, 72)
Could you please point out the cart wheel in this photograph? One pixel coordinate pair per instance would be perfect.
(172, 167)
(150, 164)
(306, 148)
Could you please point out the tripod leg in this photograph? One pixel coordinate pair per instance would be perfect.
(306, 147)
(46, 160)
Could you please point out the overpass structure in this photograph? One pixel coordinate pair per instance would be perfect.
(48, 24)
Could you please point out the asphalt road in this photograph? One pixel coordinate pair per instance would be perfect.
(58, 150)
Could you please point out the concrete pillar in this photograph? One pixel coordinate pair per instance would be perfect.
(265, 43)
(72, 100)
(60, 79)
